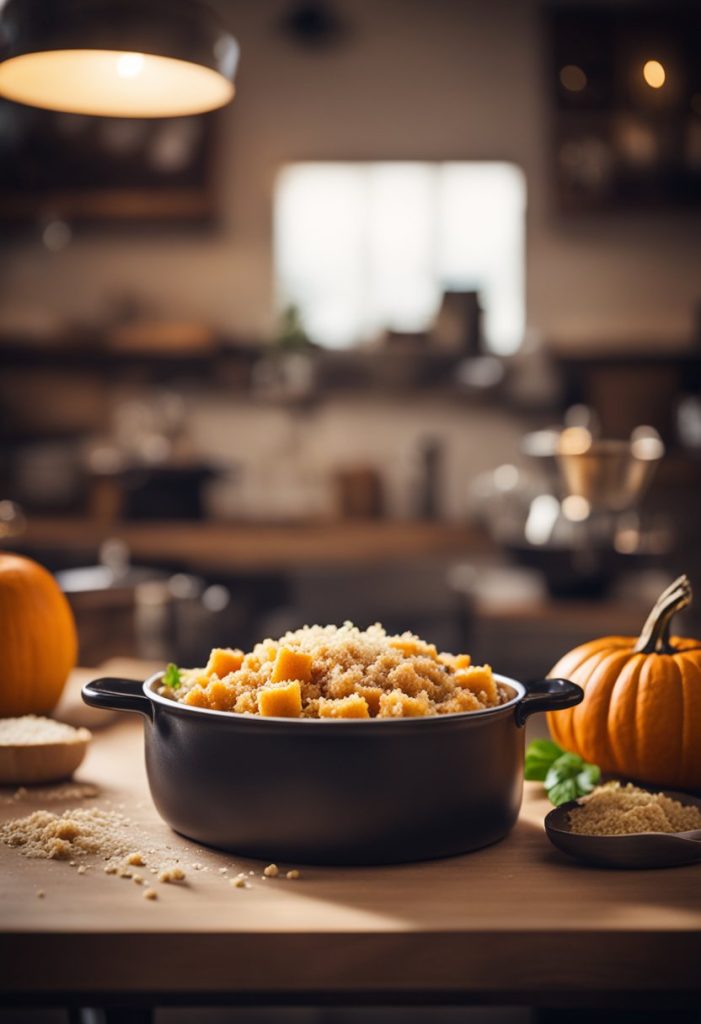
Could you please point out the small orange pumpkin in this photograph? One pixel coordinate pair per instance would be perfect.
(38, 642)
(641, 713)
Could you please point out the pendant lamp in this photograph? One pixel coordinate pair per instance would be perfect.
(116, 58)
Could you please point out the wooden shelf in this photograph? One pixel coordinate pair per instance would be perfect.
(228, 548)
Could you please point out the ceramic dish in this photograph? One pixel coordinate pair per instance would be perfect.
(640, 850)
(336, 791)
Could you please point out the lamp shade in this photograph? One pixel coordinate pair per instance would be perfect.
(116, 58)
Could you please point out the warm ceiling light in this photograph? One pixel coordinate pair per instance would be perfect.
(129, 65)
(116, 58)
(113, 84)
(654, 74)
(573, 78)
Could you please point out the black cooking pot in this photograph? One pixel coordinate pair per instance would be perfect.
(332, 791)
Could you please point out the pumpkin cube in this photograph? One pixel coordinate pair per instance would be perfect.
(397, 704)
(196, 698)
(223, 660)
(455, 661)
(478, 679)
(220, 696)
(411, 646)
(291, 665)
(281, 700)
(353, 706)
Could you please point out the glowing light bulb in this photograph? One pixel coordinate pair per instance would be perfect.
(654, 74)
(576, 508)
(130, 65)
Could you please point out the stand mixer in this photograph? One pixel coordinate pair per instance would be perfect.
(582, 533)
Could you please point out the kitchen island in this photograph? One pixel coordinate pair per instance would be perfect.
(515, 924)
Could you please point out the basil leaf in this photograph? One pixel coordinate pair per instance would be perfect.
(587, 779)
(566, 767)
(563, 791)
(171, 676)
(568, 762)
(593, 772)
(565, 776)
(546, 749)
(540, 754)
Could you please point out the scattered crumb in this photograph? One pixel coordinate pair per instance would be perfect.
(272, 871)
(239, 882)
(223, 871)
(57, 792)
(71, 863)
(123, 873)
(136, 859)
(138, 879)
(40, 894)
(81, 869)
(110, 869)
(174, 874)
(150, 894)
(197, 866)
(294, 873)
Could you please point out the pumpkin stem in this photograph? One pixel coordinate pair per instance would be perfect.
(654, 638)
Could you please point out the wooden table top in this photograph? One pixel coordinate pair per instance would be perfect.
(514, 923)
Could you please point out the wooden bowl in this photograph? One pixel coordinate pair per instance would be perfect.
(27, 763)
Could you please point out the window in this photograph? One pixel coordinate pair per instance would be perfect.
(361, 247)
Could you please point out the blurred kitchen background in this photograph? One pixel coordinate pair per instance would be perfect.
(409, 332)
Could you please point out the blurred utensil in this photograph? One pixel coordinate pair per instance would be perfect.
(610, 475)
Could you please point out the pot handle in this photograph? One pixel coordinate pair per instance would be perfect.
(117, 695)
(548, 695)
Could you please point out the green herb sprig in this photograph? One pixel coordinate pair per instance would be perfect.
(565, 776)
(171, 676)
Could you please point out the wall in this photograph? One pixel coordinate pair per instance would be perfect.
(417, 79)
(284, 463)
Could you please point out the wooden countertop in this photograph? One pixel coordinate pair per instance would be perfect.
(515, 923)
(249, 548)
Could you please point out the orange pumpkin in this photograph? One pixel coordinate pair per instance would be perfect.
(38, 643)
(641, 713)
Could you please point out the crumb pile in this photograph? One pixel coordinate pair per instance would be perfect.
(338, 672)
(33, 730)
(616, 810)
(71, 834)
